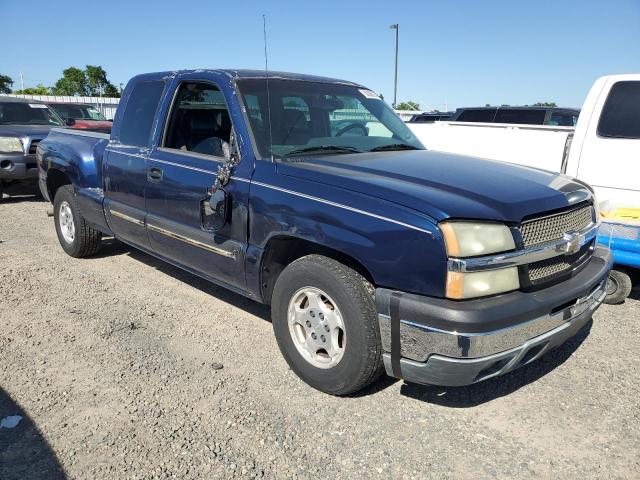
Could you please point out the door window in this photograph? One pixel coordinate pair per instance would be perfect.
(139, 113)
(620, 116)
(199, 121)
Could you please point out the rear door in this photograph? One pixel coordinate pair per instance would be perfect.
(610, 155)
(180, 173)
(125, 164)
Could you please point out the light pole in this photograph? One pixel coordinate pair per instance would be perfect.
(395, 27)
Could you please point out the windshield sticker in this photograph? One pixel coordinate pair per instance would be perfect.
(369, 94)
(37, 105)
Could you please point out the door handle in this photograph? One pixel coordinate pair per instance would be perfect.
(154, 174)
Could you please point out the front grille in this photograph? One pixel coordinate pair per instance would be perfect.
(33, 147)
(552, 268)
(552, 228)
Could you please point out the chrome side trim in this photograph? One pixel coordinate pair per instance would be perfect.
(126, 217)
(339, 205)
(570, 244)
(420, 341)
(188, 167)
(191, 241)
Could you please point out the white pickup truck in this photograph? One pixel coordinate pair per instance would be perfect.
(603, 150)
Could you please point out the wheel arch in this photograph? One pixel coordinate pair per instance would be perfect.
(56, 178)
(281, 250)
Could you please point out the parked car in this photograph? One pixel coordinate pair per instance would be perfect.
(602, 150)
(23, 123)
(562, 117)
(81, 116)
(372, 252)
(430, 117)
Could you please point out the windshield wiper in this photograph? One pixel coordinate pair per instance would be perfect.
(324, 148)
(394, 146)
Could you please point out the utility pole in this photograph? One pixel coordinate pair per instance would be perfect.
(395, 27)
(21, 82)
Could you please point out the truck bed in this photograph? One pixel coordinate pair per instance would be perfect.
(78, 156)
(537, 146)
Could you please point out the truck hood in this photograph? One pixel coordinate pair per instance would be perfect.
(31, 131)
(441, 185)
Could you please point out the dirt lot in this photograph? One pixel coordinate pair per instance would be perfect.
(114, 363)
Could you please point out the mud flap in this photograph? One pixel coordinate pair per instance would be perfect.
(394, 314)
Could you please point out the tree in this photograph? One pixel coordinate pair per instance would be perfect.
(73, 82)
(545, 104)
(98, 83)
(5, 83)
(409, 105)
(91, 82)
(37, 90)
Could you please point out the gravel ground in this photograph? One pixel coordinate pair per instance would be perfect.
(114, 364)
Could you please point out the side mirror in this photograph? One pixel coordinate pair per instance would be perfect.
(215, 211)
(69, 121)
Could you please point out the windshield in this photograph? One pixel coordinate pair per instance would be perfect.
(27, 114)
(321, 118)
(77, 112)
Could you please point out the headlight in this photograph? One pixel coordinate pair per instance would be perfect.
(11, 145)
(469, 239)
(479, 284)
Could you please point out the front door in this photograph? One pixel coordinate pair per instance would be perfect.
(125, 165)
(181, 172)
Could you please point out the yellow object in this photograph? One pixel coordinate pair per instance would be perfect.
(628, 214)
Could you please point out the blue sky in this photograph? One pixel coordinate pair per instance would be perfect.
(460, 53)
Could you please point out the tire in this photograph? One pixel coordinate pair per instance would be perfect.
(618, 287)
(1, 190)
(359, 362)
(77, 239)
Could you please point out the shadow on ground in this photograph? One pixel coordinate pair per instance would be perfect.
(24, 453)
(19, 193)
(112, 247)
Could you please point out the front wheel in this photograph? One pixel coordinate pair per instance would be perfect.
(325, 323)
(76, 237)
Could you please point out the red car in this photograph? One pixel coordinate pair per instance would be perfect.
(81, 116)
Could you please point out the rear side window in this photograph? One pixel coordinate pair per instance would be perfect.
(621, 113)
(477, 116)
(520, 116)
(139, 113)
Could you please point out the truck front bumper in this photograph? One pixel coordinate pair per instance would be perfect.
(443, 342)
(17, 166)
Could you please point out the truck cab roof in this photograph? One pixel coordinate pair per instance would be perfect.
(237, 74)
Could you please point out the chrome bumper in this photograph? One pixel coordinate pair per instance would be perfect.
(470, 345)
(449, 356)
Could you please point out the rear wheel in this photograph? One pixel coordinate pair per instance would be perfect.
(76, 237)
(325, 323)
(618, 287)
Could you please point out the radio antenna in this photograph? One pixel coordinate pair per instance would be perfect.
(266, 70)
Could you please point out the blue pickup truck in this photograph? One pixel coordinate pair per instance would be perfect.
(309, 194)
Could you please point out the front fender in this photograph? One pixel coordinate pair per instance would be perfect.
(402, 249)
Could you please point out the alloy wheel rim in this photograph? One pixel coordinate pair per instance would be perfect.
(316, 327)
(67, 225)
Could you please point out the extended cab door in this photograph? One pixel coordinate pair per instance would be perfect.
(182, 170)
(608, 156)
(125, 164)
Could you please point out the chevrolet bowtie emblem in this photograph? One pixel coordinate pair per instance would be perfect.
(572, 243)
